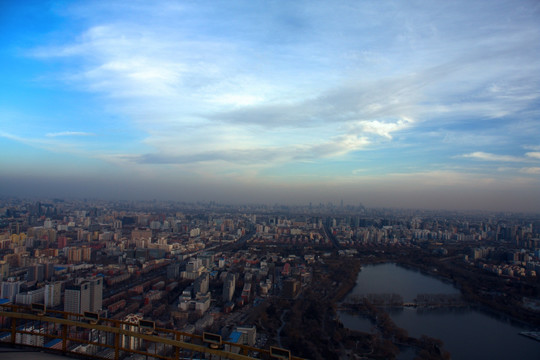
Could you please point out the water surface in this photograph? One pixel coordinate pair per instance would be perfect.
(466, 333)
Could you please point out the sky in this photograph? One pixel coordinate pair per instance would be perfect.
(407, 104)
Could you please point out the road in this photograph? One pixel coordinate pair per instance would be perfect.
(328, 234)
(283, 322)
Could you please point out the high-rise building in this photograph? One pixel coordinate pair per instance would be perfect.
(86, 296)
(207, 260)
(201, 284)
(131, 342)
(29, 297)
(10, 289)
(4, 270)
(62, 242)
(36, 273)
(173, 271)
(228, 287)
(86, 254)
(96, 294)
(193, 265)
(53, 293)
(77, 298)
(194, 269)
(117, 224)
(74, 255)
(141, 237)
(49, 270)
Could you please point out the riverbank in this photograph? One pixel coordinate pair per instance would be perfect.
(478, 289)
(425, 347)
(432, 267)
(312, 328)
(467, 333)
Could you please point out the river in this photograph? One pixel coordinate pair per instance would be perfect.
(467, 333)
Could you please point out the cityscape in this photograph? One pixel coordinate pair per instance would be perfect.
(267, 275)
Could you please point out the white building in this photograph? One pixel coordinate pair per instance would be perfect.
(195, 232)
(249, 334)
(29, 297)
(194, 269)
(86, 296)
(200, 304)
(31, 339)
(10, 289)
(53, 294)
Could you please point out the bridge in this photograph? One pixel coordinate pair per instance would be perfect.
(395, 300)
(89, 336)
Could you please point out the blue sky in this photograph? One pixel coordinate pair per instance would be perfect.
(388, 103)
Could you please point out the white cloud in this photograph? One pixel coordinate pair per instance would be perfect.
(530, 170)
(52, 142)
(384, 129)
(10, 136)
(268, 156)
(339, 145)
(535, 155)
(69, 133)
(236, 99)
(479, 155)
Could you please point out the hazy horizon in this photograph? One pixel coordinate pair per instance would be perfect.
(380, 197)
(430, 105)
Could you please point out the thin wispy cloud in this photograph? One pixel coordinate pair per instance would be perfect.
(69, 133)
(335, 147)
(479, 155)
(531, 170)
(535, 155)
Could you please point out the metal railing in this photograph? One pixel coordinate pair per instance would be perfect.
(101, 338)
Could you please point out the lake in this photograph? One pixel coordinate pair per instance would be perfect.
(466, 333)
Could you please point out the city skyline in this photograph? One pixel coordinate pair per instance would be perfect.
(417, 105)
